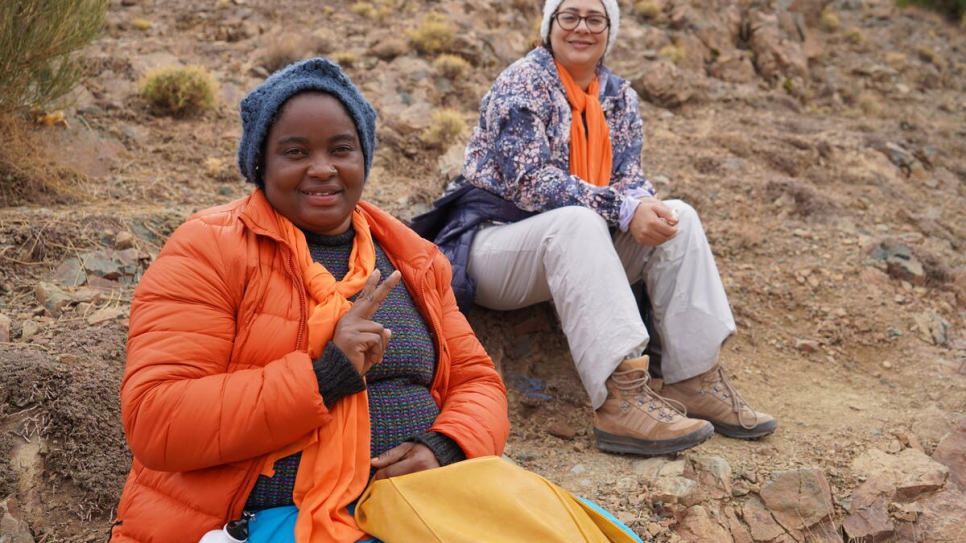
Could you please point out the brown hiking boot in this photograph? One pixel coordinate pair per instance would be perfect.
(711, 397)
(635, 420)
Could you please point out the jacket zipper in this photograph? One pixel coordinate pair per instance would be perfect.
(254, 469)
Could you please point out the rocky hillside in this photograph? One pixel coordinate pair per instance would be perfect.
(823, 144)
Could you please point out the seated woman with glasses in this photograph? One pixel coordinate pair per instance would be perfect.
(552, 204)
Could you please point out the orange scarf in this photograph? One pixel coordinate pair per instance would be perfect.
(334, 469)
(591, 157)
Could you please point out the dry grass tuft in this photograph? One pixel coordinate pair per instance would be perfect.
(283, 49)
(647, 9)
(446, 125)
(435, 35)
(27, 174)
(829, 20)
(855, 36)
(141, 24)
(378, 11)
(676, 53)
(452, 67)
(345, 59)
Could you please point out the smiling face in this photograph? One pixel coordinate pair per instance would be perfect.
(314, 164)
(578, 50)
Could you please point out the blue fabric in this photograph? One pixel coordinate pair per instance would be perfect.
(453, 222)
(611, 518)
(277, 525)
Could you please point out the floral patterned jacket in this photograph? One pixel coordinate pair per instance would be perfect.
(521, 148)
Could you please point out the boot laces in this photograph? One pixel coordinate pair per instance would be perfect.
(639, 386)
(726, 391)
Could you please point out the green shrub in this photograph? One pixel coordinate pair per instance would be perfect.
(179, 90)
(38, 40)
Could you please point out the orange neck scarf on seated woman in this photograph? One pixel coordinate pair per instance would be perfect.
(591, 157)
(334, 469)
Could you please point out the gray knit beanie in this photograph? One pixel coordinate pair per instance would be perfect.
(260, 108)
(550, 7)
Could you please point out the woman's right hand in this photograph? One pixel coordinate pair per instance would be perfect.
(653, 223)
(362, 340)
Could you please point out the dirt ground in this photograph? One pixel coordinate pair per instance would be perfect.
(803, 193)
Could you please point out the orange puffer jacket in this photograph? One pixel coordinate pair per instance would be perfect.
(217, 376)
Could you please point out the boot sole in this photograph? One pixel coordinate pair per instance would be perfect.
(616, 443)
(739, 432)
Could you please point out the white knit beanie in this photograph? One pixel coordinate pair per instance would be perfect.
(610, 7)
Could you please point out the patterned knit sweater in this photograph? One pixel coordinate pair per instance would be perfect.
(400, 405)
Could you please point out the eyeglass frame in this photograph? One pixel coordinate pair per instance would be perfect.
(581, 19)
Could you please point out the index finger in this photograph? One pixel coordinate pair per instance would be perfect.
(372, 296)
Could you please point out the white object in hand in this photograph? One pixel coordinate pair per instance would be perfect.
(220, 536)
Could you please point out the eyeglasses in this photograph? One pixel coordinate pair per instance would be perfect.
(569, 21)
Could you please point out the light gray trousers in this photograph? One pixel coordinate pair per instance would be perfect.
(569, 256)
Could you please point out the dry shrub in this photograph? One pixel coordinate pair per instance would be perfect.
(141, 24)
(389, 49)
(676, 53)
(27, 173)
(380, 11)
(38, 41)
(647, 9)
(179, 90)
(281, 50)
(345, 59)
(855, 36)
(805, 200)
(446, 125)
(451, 66)
(829, 20)
(435, 35)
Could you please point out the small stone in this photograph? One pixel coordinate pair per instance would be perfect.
(561, 430)
(29, 330)
(124, 240)
(887, 365)
(807, 345)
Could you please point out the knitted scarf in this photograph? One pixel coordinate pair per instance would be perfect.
(334, 469)
(591, 157)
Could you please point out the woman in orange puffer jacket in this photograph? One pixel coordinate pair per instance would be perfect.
(267, 365)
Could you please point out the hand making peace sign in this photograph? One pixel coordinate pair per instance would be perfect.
(362, 340)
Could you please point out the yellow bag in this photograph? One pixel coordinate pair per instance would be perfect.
(484, 500)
